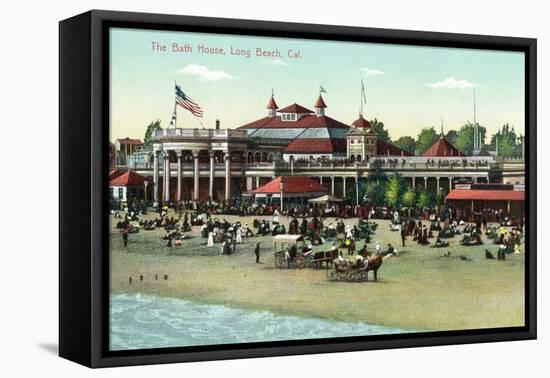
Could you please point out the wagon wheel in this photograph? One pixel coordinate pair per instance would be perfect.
(332, 275)
(300, 262)
(280, 261)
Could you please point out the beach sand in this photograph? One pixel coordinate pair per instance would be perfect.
(418, 290)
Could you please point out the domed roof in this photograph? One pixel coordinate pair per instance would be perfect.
(361, 123)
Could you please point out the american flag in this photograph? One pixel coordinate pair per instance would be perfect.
(187, 103)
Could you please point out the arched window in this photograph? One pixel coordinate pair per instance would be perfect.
(257, 157)
(250, 157)
(264, 156)
(358, 157)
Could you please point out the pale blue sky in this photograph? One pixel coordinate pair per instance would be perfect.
(401, 82)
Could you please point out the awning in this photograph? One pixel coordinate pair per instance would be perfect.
(325, 199)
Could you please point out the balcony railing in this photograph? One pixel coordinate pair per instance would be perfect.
(199, 133)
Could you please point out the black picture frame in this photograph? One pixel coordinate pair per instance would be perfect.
(83, 243)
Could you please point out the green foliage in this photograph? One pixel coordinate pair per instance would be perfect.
(375, 193)
(426, 138)
(151, 128)
(465, 139)
(409, 198)
(426, 199)
(406, 143)
(452, 136)
(380, 131)
(395, 190)
(509, 144)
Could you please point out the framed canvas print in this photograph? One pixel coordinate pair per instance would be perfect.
(233, 188)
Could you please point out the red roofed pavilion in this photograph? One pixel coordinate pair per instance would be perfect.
(127, 179)
(442, 148)
(128, 186)
(472, 201)
(297, 189)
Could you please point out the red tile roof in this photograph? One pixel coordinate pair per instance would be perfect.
(361, 123)
(292, 184)
(316, 145)
(114, 173)
(272, 104)
(127, 179)
(306, 121)
(320, 102)
(129, 141)
(441, 148)
(382, 148)
(486, 195)
(295, 108)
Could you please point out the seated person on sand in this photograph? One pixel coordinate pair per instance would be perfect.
(440, 243)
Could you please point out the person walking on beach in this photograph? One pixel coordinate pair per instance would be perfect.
(125, 237)
(257, 252)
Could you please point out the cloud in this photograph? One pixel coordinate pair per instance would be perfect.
(276, 62)
(452, 83)
(371, 71)
(205, 74)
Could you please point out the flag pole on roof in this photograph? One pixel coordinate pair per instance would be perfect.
(321, 90)
(363, 96)
(188, 104)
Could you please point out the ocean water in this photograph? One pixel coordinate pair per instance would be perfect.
(141, 321)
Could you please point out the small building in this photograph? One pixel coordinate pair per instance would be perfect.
(294, 190)
(126, 147)
(471, 201)
(128, 186)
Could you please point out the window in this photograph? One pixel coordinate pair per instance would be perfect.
(289, 116)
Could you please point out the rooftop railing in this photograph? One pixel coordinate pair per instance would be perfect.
(200, 133)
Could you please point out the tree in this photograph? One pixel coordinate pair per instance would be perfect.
(509, 144)
(426, 138)
(451, 136)
(151, 128)
(375, 193)
(395, 190)
(409, 198)
(425, 199)
(465, 139)
(406, 143)
(378, 129)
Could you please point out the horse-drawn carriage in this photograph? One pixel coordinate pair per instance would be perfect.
(354, 272)
(289, 254)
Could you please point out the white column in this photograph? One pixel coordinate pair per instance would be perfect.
(211, 183)
(257, 182)
(155, 177)
(425, 183)
(167, 176)
(227, 176)
(196, 175)
(179, 175)
(332, 185)
(437, 178)
(450, 184)
(414, 182)
(321, 180)
(344, 187)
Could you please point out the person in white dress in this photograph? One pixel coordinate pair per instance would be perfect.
(210, 239)
(239, 233)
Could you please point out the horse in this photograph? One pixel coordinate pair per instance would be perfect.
(374, 263)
